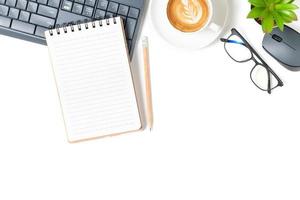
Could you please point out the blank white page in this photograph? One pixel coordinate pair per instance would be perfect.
(94, 79)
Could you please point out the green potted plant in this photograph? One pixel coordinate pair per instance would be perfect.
(271, 13)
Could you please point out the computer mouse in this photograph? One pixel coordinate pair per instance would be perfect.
(284, 46)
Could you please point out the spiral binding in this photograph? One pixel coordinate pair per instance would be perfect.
(79, 25)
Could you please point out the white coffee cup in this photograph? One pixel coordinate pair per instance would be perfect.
(218, 15)
(188, 7)
(209, 23)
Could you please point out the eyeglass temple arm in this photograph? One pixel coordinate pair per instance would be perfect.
(232, 41)
(269, 83)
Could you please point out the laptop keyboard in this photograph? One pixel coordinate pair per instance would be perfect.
(32, 17)
(36, 16)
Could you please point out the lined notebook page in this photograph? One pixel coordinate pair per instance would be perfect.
(94, 80)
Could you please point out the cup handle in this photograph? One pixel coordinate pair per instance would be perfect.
(214, 27)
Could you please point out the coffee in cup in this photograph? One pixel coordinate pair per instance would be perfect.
(188, 15)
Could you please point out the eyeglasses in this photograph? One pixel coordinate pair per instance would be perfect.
(241, 51)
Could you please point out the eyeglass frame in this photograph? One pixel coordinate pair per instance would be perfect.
(253, 52)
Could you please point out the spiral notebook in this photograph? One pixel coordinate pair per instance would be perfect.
(94, 80)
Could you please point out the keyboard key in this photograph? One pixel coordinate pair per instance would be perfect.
(14, 13)
(103, 4)
(41, 20)
(40, 31)
(124, 19)
(123, 10)
(134, 13)
(24, 16)
(32, 7)
(113, 7)
(109, 15)
(77, 8)
(130, 27)
(42, 1)
(22, 4)
(2, 1)
(22, 26)
(67, 5)
(47, 11)
(100, 14)
(87, 11)
(80, 1)
(54, 3)
(11, 3)
(90, 2)
(3, 10)
(4, 21)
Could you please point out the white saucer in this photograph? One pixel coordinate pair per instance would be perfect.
(192, 41)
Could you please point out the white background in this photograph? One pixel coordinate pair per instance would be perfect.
(216, 136)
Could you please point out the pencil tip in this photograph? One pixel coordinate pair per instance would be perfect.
(145, 41)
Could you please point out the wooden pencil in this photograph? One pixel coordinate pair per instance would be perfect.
(148, 83)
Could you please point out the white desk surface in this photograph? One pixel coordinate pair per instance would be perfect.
(216, 136)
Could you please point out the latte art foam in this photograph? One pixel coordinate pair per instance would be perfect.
(188, 15)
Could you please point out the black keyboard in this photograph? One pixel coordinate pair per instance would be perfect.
(29, 19)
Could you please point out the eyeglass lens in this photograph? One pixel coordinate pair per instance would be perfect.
(237, 50)
(261, 77)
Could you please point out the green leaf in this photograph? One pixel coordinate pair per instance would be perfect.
(256, 12)
(288, 15)
(286, 7)
(285, 18)
(268, 24)
(287, 1)
(268, 1)
(265, 13)
(279, 20)
(258, 3)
